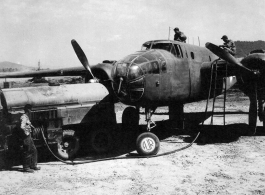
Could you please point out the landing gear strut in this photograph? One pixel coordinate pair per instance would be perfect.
(148, 143)
(261, 112)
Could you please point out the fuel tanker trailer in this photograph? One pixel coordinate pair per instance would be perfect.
(71, 116)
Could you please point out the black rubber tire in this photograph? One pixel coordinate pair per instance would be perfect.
(130, 118)
(68, 152)
(101, 141)
(147, 144)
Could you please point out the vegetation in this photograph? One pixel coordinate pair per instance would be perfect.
(8, 70)
(243, 48)
(13, 67)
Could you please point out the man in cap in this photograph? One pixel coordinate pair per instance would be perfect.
(228, 45)
(29, 150)
(179, 36)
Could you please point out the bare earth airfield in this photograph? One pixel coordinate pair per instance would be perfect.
(226, 161)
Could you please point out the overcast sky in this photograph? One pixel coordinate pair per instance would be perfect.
(33, 30)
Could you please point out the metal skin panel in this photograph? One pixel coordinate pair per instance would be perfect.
(173, 83)
(54, 95)
(180, 80)
(183, 81)
(152, 89)
(198, 82)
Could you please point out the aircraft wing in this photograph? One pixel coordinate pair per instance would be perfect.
(101, 71)
(75, 71)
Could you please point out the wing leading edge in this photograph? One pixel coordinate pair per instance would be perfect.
(74, 71)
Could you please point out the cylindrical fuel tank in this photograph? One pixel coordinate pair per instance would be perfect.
(53, 95)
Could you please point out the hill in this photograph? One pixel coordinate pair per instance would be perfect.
(244, 47)
(13, 67)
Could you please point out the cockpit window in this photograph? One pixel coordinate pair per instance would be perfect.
(175, 49)
(150, 67)
(157, 45)
(163, 66)
(140, 60)
(155, 67)
(178, 51)
(164, 46)
(146, 46)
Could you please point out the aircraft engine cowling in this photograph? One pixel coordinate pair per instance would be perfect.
(254, 62)
(102, 71)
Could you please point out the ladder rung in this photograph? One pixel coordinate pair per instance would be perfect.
(218, 73)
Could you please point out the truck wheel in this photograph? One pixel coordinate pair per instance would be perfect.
(68, 147)
(130, 118)
(147, 144)
(101, 140)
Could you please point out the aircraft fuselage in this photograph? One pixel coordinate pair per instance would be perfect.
(164, 72)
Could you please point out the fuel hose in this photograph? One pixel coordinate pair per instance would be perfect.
(116, 158)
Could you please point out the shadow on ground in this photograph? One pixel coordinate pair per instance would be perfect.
(124, 140)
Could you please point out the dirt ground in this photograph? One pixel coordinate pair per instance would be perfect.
(223, 160)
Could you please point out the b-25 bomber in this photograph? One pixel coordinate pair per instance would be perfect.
(163, 73)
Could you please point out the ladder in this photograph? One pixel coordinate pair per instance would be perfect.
(218, 83)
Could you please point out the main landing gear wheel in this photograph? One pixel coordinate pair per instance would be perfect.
(101, 141)
(147, 144)
(68, 147)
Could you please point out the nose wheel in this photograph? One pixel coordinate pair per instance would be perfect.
(147, 144)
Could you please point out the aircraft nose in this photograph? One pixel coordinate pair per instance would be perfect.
(128, 81)
(129, 74)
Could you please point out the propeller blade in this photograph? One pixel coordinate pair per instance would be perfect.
(223, 54)
(253, 97)
(81, 56)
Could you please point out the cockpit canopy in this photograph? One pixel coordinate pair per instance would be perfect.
(170, 46)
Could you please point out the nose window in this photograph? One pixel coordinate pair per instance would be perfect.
(155, 67)
(121, 69)
(135, 72)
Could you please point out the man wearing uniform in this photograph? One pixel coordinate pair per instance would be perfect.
(29, 150)
(179, 36)
(228, 45)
